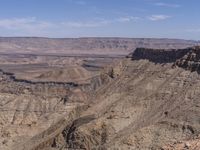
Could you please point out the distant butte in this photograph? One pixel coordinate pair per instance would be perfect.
(77, 46)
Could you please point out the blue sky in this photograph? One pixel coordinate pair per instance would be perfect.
(101, 18)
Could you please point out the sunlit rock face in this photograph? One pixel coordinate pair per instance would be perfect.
(87, 95)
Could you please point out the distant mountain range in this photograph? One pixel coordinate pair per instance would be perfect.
(103, 46)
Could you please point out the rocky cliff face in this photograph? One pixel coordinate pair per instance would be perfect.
(31, 110)
(149, 102)
(159, 55)
(188, 58)
(191, 60)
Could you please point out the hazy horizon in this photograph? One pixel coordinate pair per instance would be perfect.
(109, 37)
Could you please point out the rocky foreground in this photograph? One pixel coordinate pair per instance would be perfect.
(149, 100)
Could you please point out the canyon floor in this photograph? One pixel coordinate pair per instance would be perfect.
(67, 94)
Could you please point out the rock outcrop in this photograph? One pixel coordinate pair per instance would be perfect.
(159, 55)
(148, 103)
(188, 58)
(191, 60)
(148, 100)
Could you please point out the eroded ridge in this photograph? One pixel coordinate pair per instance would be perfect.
(147, 106)
(191, 61)
(148, 100)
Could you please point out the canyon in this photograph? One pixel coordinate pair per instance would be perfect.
(99, 93)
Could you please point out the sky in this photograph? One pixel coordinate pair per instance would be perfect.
(101, 18)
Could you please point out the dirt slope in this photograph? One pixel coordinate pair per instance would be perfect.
(149, 100)
(147, 104)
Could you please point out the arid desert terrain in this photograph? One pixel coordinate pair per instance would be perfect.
(99, 93)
